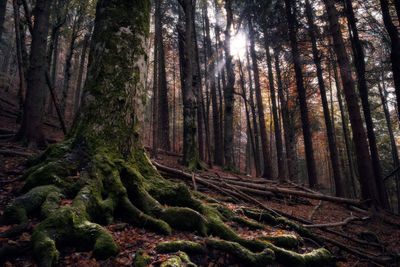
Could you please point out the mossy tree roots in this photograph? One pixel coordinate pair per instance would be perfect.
(103, 187)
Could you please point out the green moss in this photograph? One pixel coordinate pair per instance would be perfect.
(133, 215)
(141, 259)
(50, 173)
(316, 258)
(104, 246)
(286, 241)
(248, 223)
(27, 204)
(44, 249)
(243, 254)
(51, 204)
(185, 219)
(185, 259)
(174, 261)
(186, 246)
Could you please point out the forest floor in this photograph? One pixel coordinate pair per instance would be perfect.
(131, 239)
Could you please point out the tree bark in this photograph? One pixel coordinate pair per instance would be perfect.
(77, 97)
(395, 46)
(263, 130)
(393, 145)
(254, 118)
(218, 159)
(31, 128)
(229, 92)
(163, 108)
(187, 60)
(367, 181)
(21, 69)
(3, 5)
(307, 135)
(278, 133)
(328, 122)
(363, 91)
(290, 153)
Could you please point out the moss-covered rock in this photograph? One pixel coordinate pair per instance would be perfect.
(246, 256)
(185, 246)
(185, 259)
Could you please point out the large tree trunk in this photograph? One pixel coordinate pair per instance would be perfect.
(229, 92)
(328, 122)
(307, 135)
(363, 91)
(31, 127)
(278, 133)
(367, 181)
(263, 129)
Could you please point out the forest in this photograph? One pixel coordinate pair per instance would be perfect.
(199, 133)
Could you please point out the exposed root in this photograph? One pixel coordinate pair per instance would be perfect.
(103, 186)
(254, 259)
(285, 241)
(186, 246)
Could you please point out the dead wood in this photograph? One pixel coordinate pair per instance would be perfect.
(315, 210)
(15, 153)
(344, 222)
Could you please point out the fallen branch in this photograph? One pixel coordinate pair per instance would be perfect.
(315, 210)
(15, 153)
(285, 191)
(344, 222)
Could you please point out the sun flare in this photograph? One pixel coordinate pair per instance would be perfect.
(238, 45)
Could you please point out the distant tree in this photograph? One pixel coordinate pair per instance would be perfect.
(30, 131)
(307, 135)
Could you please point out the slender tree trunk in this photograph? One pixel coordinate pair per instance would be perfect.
(54, 68)
(278, 133)
(393, 145)
(81, 72)
(290, 153)
(21, 69)
(187, 55)
(155, 107)
(345, 130)
(333, 152)
(162, 101)
(199, 93)
(218, 159)
(397, 6)
(31, 127)
(395, 46)
(311, 170)
(250, 131)
(367, 181)
(363, 91)
(229, 92)
(256, 150)
(3, 5)
(263, 129)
